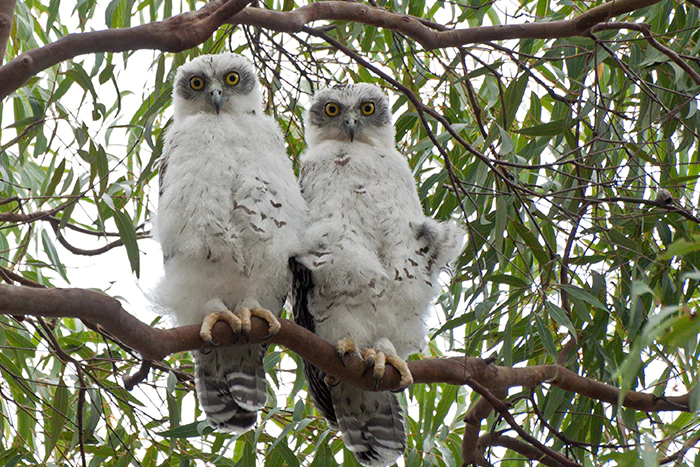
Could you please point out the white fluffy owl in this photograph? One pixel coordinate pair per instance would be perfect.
(229, 215)
(369, 271)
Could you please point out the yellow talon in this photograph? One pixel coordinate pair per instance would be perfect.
(274, 325)
(344, 346)
(210, 320)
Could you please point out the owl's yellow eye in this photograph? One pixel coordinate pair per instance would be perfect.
(367, 108)
(232, 78)
(196, 83)
(332, 109)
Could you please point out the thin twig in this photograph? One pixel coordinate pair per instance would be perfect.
(645, 29)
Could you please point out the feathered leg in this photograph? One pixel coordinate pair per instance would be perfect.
(231, 386)
(230, 381)
(371, 424)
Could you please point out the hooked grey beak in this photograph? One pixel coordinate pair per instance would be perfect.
(217, 100)
(351, 129)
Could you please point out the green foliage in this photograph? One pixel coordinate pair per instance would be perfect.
(565, 241)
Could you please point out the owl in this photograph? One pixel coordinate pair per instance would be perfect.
(230, 213)
(368, 269)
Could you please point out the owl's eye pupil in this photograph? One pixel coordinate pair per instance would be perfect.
(368, 108)
(332, 109)
(196, 83)
(232, 78)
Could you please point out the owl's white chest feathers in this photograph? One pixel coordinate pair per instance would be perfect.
(375, 286)
(367, 187)
(229, 213)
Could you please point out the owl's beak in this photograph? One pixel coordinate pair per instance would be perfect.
(217, 100)
(351, 128)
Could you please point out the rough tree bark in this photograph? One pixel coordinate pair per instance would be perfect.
(156, 344)
(190, 29)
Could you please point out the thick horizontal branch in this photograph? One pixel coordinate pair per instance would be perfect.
(427, 36)
(156, 344)
(190, 29)
(174, 34)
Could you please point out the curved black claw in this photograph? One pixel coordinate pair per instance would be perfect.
(236, 337)
(212, 343)
(245, 333)
(368, 364)
(341, 356)
(377, 380)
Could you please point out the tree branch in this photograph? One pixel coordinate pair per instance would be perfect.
(156, 344)
(645, 29)
(472, 426)
(25, 218)
(502, 408)
(514, 444)
(190, 29)
(429, 37)
(175, 34)
(7, 11)
(80, 251)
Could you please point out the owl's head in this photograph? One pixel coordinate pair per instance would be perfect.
(216, 84)
(353, 112)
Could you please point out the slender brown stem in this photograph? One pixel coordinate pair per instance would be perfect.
(501, 407)
(645, 29)
(516, 445)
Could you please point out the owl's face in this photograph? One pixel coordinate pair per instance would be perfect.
(216, 84)
(349, 113)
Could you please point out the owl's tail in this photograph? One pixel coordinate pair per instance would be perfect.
(231, 386)
(371, 424)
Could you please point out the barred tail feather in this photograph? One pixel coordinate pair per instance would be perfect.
(231, 386)
(371, 424)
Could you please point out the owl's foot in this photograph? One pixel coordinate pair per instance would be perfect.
(402, 367)
(239, 322)
(210, 320)
(345, 346)
(378, 360)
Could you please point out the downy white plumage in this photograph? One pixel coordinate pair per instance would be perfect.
(369, 269)
(229, 216)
